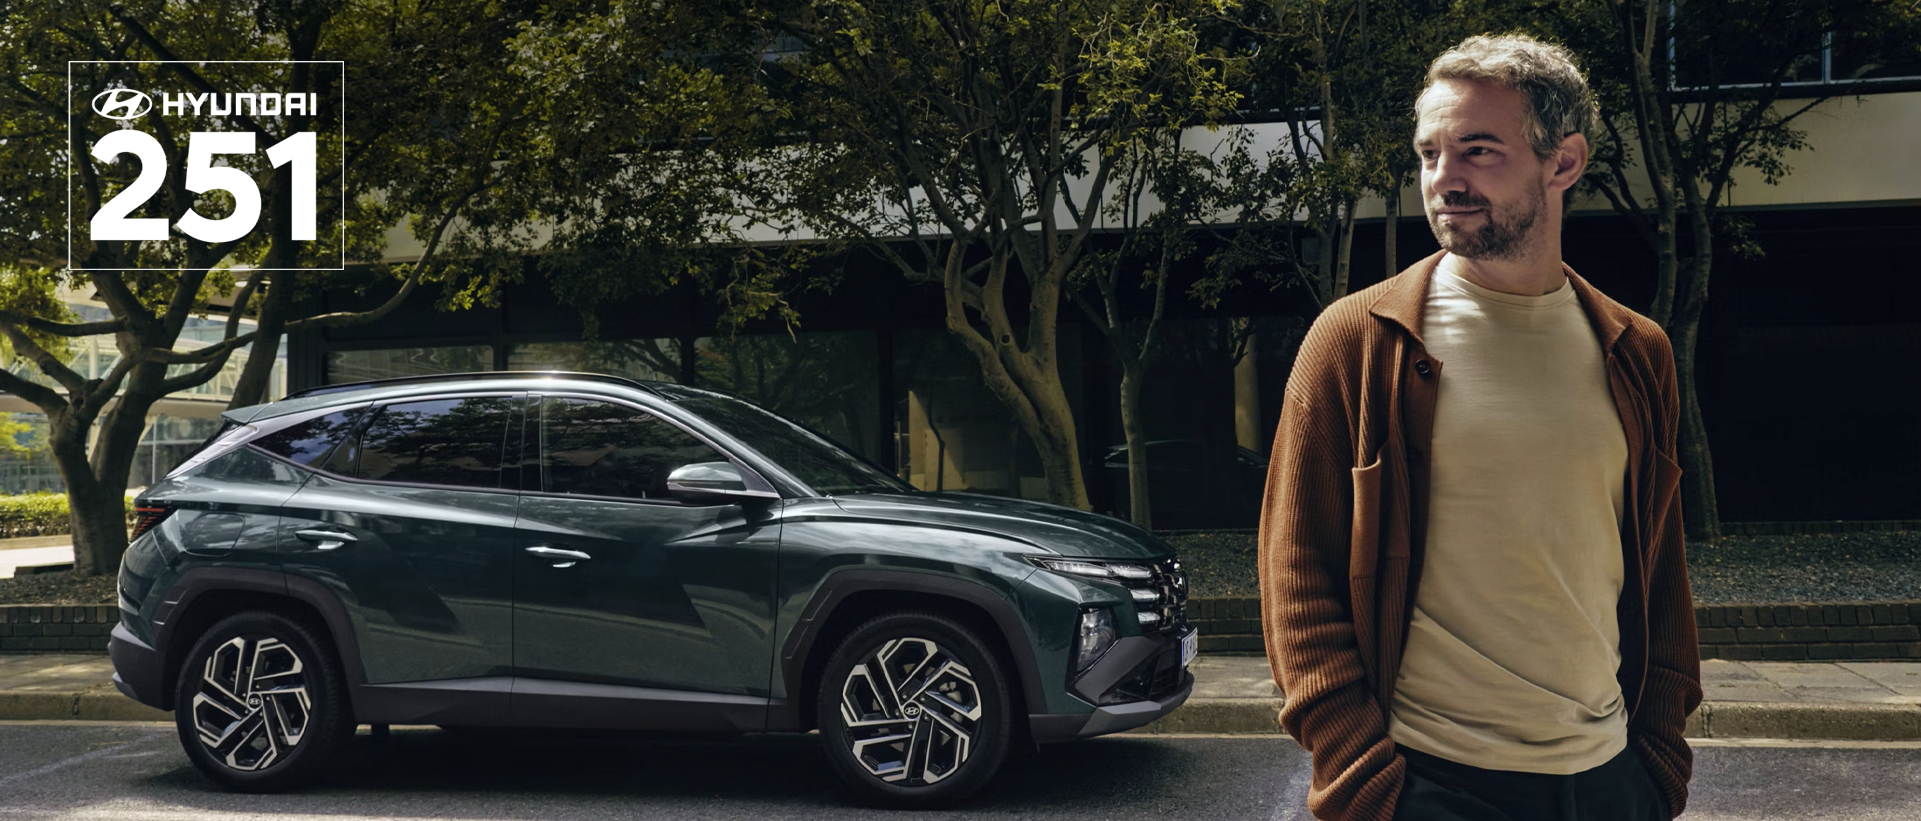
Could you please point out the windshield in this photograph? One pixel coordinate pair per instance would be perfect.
(825, 466)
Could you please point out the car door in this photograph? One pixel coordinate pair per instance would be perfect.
(617, 583)
(410, 523)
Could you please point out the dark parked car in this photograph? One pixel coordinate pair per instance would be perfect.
(580, 551)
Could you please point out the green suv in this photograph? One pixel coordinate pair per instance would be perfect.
(581, 551)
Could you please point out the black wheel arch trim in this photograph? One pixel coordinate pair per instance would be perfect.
(841, 585)
(200, 581)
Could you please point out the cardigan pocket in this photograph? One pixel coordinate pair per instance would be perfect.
(1364, 539)
(1363, 552)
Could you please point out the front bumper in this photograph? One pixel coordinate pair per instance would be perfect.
(137, 668)
(1138, 680)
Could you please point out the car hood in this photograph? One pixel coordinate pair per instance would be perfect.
(1061, 530)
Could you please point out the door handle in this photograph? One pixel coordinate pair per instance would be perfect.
(326, 539)
(570, 557)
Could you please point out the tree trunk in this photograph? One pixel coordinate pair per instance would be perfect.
(97, 539)
(1698, 505)
(1343, 252)
(1391, 242)
(1700, 509)
(98, 517)
(1058, 443)
(1133, 384)
(256, 375)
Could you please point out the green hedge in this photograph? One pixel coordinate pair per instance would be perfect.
(39, 514)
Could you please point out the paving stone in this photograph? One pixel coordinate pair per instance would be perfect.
(1900, 677)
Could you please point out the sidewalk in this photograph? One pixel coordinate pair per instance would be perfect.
(1846, 700)
(34, 550)
(1236, 694)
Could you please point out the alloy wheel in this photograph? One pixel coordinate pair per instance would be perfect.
(911, 712)
(252, 706)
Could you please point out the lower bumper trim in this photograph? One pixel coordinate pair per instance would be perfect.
(1051, 728)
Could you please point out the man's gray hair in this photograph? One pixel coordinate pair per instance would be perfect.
(1559, 101)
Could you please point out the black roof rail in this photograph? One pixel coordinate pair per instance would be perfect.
(465, 377)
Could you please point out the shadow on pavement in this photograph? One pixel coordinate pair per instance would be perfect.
(426, 772)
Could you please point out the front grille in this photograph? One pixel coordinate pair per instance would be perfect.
(1160, 601)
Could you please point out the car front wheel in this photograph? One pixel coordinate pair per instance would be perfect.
(915, 709)
(259, 704)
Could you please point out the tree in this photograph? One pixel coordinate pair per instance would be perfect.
(1341, 76)
(1689, 100)
(186, 276)
(970, 144)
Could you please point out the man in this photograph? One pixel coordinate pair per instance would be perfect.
(1472, 577)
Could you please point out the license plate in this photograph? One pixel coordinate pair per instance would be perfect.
(1190, 647)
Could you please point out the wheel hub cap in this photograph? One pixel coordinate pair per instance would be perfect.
(911, 709)
(252, 706)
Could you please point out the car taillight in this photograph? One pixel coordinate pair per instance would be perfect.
(147, 517)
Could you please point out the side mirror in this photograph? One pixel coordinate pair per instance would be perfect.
(713, 483)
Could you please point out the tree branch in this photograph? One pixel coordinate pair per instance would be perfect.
(49, 326)
(48, 364)
(46, 399)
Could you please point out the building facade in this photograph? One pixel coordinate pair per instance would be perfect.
(1802, 372)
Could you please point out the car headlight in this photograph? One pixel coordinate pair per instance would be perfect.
(1093, 570)
(1094, 635)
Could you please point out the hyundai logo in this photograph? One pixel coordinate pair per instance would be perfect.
(121, 103)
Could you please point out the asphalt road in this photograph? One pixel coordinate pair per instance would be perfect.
(136, 772)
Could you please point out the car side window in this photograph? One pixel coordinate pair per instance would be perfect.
(455, 442)
(309, 442)
(602, 449)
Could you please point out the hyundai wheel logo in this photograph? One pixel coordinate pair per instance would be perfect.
(121, 103)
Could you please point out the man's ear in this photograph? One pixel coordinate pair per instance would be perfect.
(1570, 162)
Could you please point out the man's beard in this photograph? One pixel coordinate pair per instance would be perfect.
(1502, 237)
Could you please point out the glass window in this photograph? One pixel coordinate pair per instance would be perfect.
(310, 441)
(361, 366)
(437, 442)
(828, 381)
(594, 448)
(1874, 56)
(954, 433)
(244, 465)
(824, 465)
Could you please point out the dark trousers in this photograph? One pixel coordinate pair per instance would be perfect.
(1441, 790)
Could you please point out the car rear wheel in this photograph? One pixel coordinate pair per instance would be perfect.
(915, 709)
(260, 704)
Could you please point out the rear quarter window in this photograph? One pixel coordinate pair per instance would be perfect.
(309, 442)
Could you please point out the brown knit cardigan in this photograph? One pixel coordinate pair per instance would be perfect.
(1346, 514)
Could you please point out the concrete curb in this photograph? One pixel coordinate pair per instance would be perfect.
(1727, 719)
(103, 703)
(1214, 716)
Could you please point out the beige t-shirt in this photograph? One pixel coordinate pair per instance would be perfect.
(1512, 654)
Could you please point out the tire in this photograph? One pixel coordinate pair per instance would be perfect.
(915, 710)
(255, 731)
